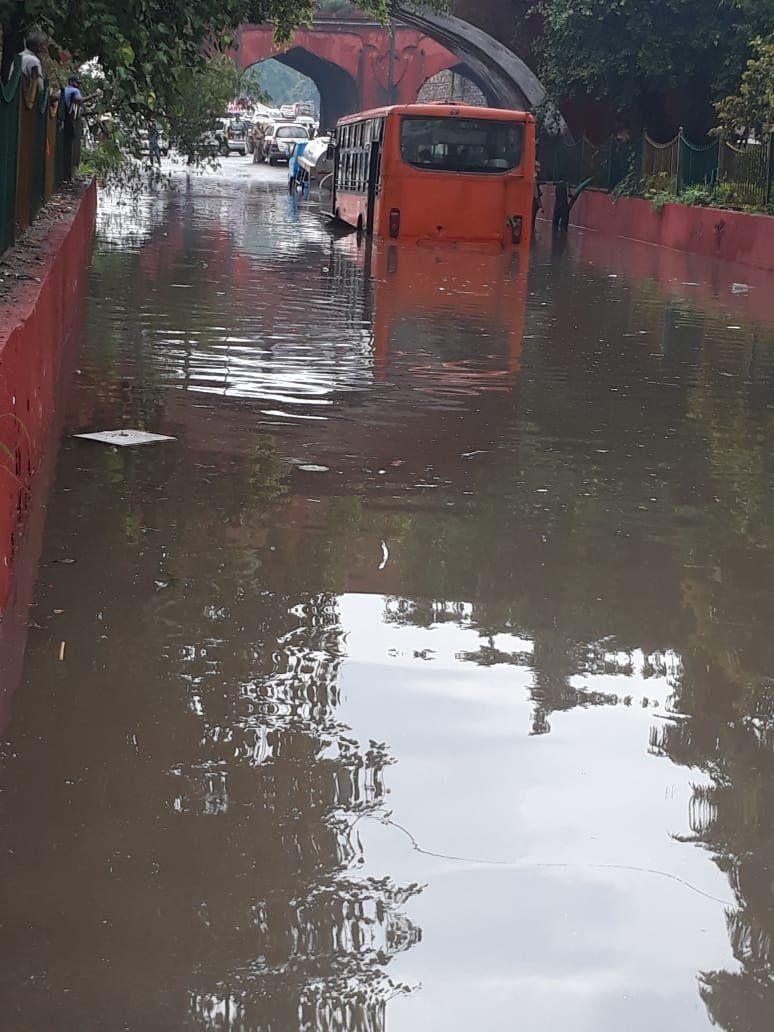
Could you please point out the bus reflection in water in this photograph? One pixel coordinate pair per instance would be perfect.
(459, 312)
(436, 172)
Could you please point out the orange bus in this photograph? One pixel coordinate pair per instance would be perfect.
(436, 172)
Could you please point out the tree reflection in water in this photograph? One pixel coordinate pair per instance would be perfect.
(318, 944)
(228, 814)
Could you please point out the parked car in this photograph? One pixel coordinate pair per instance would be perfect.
(237, 131)
(281, 138)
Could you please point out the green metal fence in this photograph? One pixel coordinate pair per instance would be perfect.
(696, 166)
(745, 173)
(659, 163)
(39, 144)
(742, 176)
(9, 153)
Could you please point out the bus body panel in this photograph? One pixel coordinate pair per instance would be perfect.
(428, 204)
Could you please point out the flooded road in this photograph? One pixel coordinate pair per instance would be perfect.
(424, 681)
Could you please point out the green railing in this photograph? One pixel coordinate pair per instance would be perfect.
(38, 151)
(9, 153)
(746, 172)
(741, 176)
(659, 163)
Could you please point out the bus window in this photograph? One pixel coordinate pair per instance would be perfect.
(461, 144)
(354, 150)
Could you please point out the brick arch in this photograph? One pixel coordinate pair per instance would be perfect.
(355, 65)
(337, 88)
(455, 83)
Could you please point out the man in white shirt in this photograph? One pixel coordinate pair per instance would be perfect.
(36, 46)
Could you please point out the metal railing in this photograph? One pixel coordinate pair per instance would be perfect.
(38, 150)
(746, 172)
(739, 176)
(659, 163)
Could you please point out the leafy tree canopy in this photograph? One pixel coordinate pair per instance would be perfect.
(144, 46)
(751, 109)
(154, 55)
(624, 50)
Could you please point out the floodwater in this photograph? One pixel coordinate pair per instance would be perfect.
(424, 682)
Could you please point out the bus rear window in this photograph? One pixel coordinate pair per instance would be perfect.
(461, 144)
(292, 132)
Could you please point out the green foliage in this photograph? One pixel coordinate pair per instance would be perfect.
(751, 109)
(151, 52)
(660, 198)
(719, 195)
(631, 185)
(628, 50)
(204, 92)
(697, 195)
(101, 159)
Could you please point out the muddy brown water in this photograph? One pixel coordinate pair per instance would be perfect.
(424, 681)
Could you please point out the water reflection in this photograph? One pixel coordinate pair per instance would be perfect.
(442, 546)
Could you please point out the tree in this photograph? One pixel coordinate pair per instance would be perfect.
(149, 50)
(204, 92)
(751, 109)
(633, 52)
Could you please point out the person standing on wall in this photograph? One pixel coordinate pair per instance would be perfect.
(70, 103)
(35, 49)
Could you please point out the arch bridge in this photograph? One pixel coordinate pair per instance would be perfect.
(358, 64)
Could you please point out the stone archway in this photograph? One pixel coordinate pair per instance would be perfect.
(390, 67)
(355, 65)
(337, 88)
(455, 84)
(501, 72)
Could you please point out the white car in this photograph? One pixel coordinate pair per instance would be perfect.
(281, 139)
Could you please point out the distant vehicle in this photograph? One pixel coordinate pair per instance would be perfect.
(288, 110)
(237, 131)
(309, 121)
(436, 172)
(305, 108)
(280, 140)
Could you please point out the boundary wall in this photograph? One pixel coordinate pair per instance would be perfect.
(733, 236)
(35, 322)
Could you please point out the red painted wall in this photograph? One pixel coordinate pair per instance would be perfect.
(33, 328)
(712, 232)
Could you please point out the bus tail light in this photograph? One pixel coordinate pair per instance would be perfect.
(516, 222)
(394, 222)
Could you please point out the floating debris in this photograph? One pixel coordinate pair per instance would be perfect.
(124, 438)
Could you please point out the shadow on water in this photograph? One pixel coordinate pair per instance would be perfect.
(418, 520)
